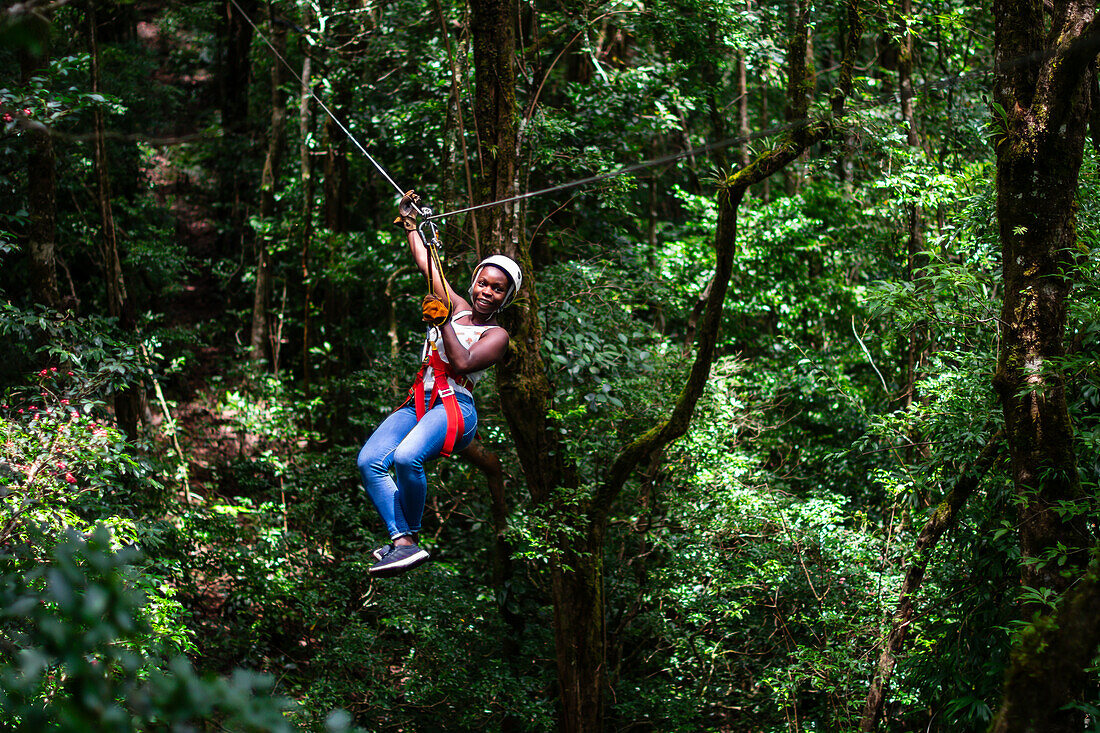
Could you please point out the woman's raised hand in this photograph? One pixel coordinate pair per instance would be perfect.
(435, 310)
(406, 211)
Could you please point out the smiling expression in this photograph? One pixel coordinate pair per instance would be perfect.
(489, 290)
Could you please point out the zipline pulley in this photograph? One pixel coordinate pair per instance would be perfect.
(431, 242)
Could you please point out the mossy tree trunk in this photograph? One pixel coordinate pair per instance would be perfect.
(1043, 55)
(1051, 656)
(524, 388)
(577, 566)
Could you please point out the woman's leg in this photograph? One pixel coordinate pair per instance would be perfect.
(422, 444)
(375, 460)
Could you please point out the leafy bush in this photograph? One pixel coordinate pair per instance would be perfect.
(82, 658)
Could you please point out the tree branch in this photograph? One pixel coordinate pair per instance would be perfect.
(793, 144)
(943, 519)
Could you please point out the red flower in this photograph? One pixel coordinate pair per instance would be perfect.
(26, 110)
(43, 373)
(70, 478)
(7, 117)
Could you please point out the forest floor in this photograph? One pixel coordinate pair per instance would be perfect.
(205, 427)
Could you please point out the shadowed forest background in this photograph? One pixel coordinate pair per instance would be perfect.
(799, 426)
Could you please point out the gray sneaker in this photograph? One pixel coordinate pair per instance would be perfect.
(380, 552)
(402, 558)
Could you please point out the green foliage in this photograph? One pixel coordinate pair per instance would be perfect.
(66, 465)
(752, 600)
(748, 572)
(84, 659)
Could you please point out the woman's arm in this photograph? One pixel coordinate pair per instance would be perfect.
(406, 217)
(483, 353)
(440, 287)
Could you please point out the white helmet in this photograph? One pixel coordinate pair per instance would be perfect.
(510, 268)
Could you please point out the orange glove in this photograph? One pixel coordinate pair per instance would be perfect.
(435, 310)
(406, 212)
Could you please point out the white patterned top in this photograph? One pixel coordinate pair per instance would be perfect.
(467, 335)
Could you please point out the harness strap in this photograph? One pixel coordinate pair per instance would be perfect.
(446, 394)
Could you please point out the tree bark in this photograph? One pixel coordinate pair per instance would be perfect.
(335, 186)
(305, 164)
(1048, 667)
(260, 339)
(494, 43)
(916, 351)
(457, 63)
(234, 77)
(41, 201)
(477, 455)
(129, 402)
(1045, 101)
(743, 129)
(235, 69)
(943, 518)
(1041, 95)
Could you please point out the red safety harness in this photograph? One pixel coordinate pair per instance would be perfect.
(440, 371)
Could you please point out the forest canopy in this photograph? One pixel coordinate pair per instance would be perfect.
(798, 424)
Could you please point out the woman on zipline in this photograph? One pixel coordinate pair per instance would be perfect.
(439, 417)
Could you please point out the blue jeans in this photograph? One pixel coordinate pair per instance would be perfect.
(405, 444)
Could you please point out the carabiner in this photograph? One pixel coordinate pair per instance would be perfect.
(433, 242)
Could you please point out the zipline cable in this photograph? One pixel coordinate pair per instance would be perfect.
(346, 131)
(720, 145)
(430, 216)
(652, 163)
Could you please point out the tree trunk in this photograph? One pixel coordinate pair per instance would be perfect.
(743, 129)
(524, 388)
(1041, 107)
(916, 351)
(41, 201)
(235, 69)
(1038, 160)
(799, 86)
(494, 42)
(457, 63)
(579, 635)
(1048, 665)
(234, 77)
(305, 163)
(335, 186)
(129, 402)
(260, 337)
(477, 455)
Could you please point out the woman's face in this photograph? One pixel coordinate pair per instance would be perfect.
(489, 290)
